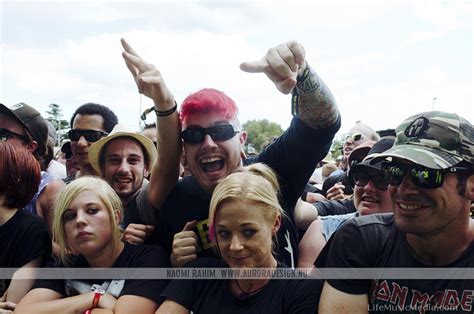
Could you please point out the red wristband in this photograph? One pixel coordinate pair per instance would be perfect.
(96, 299)
(89, 311)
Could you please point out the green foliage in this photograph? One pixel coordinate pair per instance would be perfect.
(61, 126)
(261, 133)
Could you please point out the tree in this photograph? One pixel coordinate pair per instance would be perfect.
(261, 133)
(61, 126)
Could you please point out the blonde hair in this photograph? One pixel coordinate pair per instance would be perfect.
(257, 183)
(107, 196)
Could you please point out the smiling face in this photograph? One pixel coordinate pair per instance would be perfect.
(124, 166)
(211, 161)
(87, 225)
(371, 200)
(243, 235)
(429, 211)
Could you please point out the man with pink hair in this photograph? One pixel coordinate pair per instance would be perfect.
(212, 138)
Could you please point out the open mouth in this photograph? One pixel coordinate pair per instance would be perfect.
(212, 164)
(123, 180)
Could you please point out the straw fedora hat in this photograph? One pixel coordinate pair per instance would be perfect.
(121, 131)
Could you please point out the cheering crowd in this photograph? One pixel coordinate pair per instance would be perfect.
(183, 193)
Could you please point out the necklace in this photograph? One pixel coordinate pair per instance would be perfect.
(244, 294)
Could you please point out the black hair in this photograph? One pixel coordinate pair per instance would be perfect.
(110, 119)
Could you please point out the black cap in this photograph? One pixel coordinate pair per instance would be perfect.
(32, 121)
(379, 147)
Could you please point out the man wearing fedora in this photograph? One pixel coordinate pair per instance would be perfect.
(430, 170)
(124, 159)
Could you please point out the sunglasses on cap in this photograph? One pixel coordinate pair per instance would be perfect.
(219, 133)
(362, 178)
(354, 137)
(90, 135)
(6, 134)
(422, 177)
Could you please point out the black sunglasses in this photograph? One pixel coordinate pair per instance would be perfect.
(422, 177)
(90, 135)
(361, 179)
(221, 132)
(6, 134)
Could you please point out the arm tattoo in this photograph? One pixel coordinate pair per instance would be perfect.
(312, 100)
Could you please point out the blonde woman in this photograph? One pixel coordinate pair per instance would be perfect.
(86, 220)
(245, 216)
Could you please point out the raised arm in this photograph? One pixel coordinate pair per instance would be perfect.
(286, 66)
(165, 172)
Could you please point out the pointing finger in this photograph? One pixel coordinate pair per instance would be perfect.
(136, 61)
(126, 46)
(254, 66)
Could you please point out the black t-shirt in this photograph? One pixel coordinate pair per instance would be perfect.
(335, 207)
(215, 296)
(374, 241)
(132, 256)
(293, 156)
(24, 238)
(139, 209)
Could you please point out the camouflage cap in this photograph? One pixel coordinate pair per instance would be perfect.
(433, 139)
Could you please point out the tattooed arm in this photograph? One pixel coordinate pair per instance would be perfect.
(286, 66)
(315, 103)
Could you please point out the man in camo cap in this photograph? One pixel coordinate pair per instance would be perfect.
(430, 172)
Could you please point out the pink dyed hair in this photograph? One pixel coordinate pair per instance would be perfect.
(208, 100)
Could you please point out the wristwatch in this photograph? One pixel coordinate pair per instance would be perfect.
(98, 292)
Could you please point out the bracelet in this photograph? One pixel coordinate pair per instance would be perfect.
(166, 112)
(89, 311)
(307, 82)
(96, 299)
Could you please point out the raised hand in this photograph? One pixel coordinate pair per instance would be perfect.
(184, 245)
(281, 64)
(148, 79)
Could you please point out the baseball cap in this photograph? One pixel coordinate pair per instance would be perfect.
(121, 131)
(32, 121)
(379, 147)
(434, 139)
(360, 152)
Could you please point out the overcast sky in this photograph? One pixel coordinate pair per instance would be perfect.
(383, 60)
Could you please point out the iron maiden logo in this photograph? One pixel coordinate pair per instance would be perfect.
(403, 298)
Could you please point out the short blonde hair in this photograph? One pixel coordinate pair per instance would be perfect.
(257, 183)
(107, 196)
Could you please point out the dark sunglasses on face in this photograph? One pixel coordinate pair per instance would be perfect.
(89, 135)
(6, 134)
(362, 179)
(219, 133)
(354, 137)
(422, 177)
